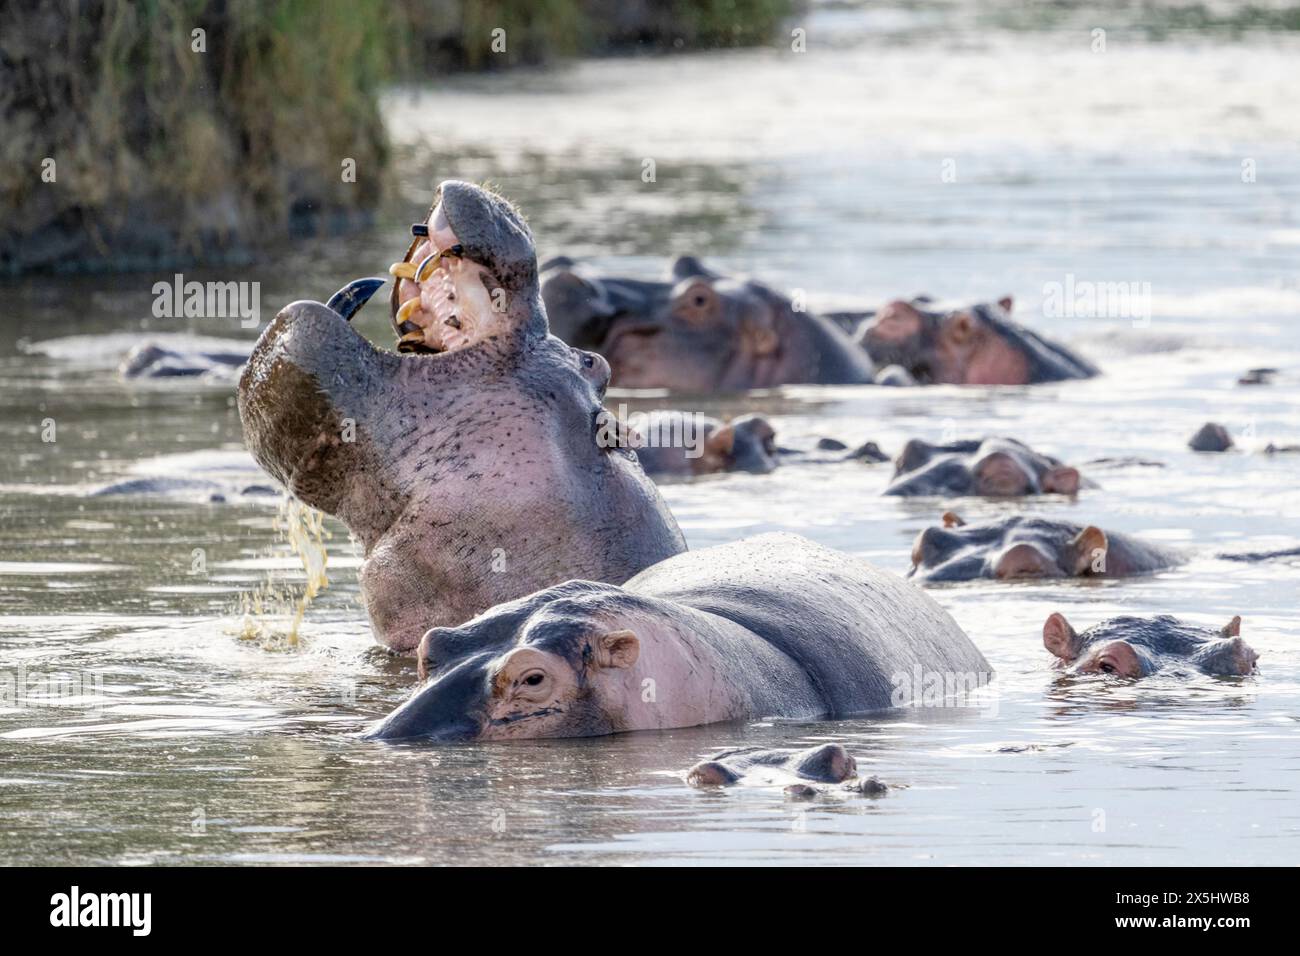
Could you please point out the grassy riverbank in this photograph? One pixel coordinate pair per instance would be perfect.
(149, 134)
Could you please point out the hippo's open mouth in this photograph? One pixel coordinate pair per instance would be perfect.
(442, 300)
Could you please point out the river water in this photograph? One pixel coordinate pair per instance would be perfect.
(930, 149)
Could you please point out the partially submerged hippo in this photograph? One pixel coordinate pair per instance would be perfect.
(1135, 647)
(1027, 547)
(979, 345)
(152, 360)
(671, 443)
(1210, 437)
(700, 332)
(771, 626)
(827, 763)
(993, 467)
(823, 764)
(469, 471)
(677, 443)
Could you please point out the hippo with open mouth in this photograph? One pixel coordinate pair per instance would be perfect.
(1134, 647)
(771, 626)
(979, 345)
(1020, 548)
(991, 467)
(699, 332)
(467, 465)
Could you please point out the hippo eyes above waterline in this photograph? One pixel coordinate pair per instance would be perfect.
(532, 680)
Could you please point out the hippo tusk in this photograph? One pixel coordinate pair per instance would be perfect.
(402, 270)
(431, 261)
(349, 299)
(409, 308)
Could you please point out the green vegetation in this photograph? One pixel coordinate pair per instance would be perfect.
(197, 129)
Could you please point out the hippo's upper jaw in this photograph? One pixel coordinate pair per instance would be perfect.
(1133, 647)
(472, 474)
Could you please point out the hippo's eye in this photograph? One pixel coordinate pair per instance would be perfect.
(588, 361)
(532, 680)
(1107, 667)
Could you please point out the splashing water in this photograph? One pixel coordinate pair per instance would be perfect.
(273, 611)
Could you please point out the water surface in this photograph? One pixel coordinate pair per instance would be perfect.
(152, 731)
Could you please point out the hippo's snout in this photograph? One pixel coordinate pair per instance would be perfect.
(451, 707)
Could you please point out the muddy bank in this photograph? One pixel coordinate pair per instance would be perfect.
(155, 136)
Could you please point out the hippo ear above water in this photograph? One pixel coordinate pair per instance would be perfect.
(1232, 628)
(1090, 547)
(1060, 638)
(618, 649)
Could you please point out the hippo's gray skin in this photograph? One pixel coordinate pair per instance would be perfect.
(150, 360)
(165, 486)
(771, 626)
(1025, 547)
(1210, 437)
(979, 345)
(827, 763)
(1134, 647)
(471, 476)
(991, 467)
(746, 443)
(701, 332)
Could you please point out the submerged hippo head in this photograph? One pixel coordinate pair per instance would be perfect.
(700, 332)
(470, 469)
(568, 661)
(1025, 547)
(1135, 647)
(678, 443)
(994, 467)
(979, 345)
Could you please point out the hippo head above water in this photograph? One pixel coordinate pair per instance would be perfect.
(1135, 647)
(979, 345)
(993, 467)
(468, 469)
(1020, 548)
(699, 332)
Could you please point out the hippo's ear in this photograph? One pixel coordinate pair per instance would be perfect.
(1232, 628)
(1061, 480)
(914, 454)
(617, 649)
(722, 441)
(1090, 546)
(1006, 302)
(960, 327)
(952, 520)
(689, 267)
(1060, 638)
